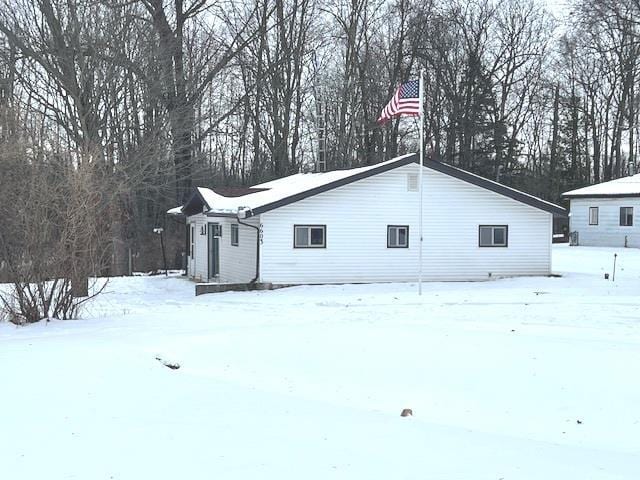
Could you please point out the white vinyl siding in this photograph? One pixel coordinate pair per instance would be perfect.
(198, 267)
(608, 232)
(357, 215)
(237, 263)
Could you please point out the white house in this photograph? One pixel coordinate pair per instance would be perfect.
(603, 214)
(361, 225)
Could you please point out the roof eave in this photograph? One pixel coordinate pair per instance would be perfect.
(600, 195)
(221, 214)
(196, 194)
(176, 212)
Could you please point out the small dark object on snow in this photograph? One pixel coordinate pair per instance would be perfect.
(407, 412)
(513, 330)
(579, 422)
(172, 366)
(606, 276)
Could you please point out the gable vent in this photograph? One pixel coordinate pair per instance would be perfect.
(412, 182)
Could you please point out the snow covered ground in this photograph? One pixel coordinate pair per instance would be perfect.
(531, 378)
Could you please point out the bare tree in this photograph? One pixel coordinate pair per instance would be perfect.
(53, 236)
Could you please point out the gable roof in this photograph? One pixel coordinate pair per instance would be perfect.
(236, 191)
(287, 190)
(621, 187)
(496, 187)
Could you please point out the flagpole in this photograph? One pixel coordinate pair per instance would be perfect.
(421, 93)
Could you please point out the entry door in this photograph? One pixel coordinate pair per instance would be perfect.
(213, 240)
(191, 254)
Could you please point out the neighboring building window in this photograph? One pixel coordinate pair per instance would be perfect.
(626, 216)
(412, 182)
(235, 237)
(397, 236)
(309, 236)
(493, 235)
(593, 215)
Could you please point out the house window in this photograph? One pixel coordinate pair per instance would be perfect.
(216, 229)
(309, 236)
(397, 236)
(192, 240)
(626, 216)
(593, 215)
(235, 237)
(493, 235)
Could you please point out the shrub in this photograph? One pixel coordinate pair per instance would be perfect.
(56, 218)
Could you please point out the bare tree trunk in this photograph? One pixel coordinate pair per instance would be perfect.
(553, 154)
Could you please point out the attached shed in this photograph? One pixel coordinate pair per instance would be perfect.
(361, 225)
(603, 214)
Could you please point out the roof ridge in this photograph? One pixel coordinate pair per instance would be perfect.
(281, 192)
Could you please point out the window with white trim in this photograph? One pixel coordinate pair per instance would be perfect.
(235, 234)
(397, 236)
(493, 235)
(626, 216)
(593, 215)
(309, 236)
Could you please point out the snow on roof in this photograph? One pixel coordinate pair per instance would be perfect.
(276, 193)
(620, 187)
(281, 188)
(301, 182)
(236, 191)
(175, 211)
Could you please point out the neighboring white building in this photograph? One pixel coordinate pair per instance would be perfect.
(603, 214)
(361, 225)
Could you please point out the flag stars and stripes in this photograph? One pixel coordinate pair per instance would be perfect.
(405, 102)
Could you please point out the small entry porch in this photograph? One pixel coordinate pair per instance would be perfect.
(222, 249)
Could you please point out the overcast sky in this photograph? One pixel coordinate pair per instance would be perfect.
(559, 8)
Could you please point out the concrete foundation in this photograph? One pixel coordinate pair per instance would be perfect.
(202, 288)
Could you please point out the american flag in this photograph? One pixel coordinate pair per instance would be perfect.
(406, 102)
